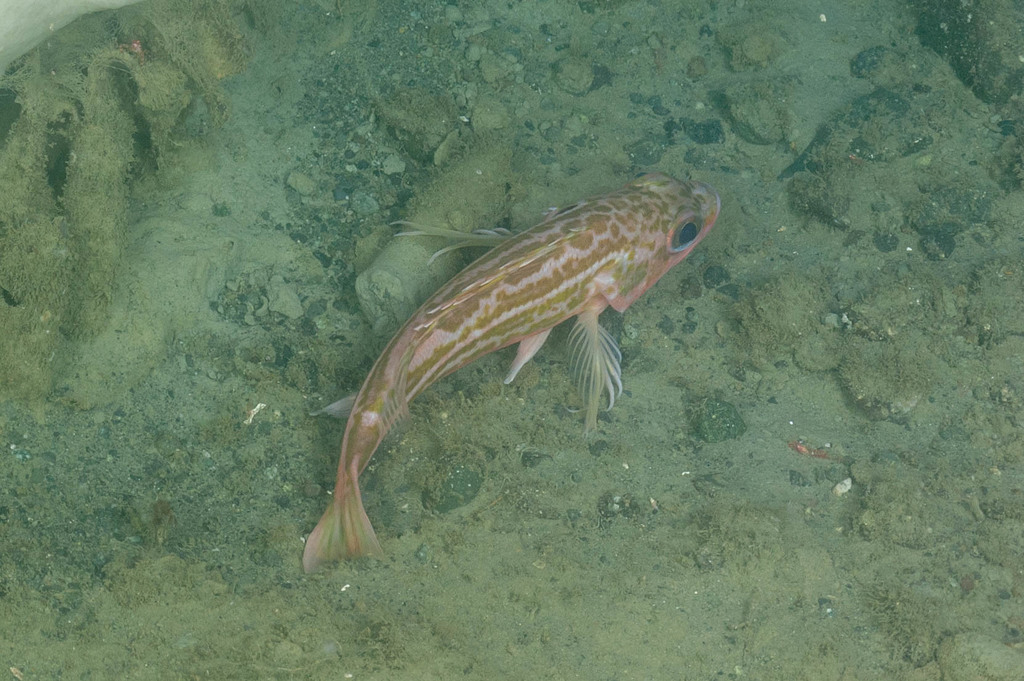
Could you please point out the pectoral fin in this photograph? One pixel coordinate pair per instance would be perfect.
(594, 363)
(528, 347)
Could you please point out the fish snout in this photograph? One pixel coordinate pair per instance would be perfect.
(708, 201)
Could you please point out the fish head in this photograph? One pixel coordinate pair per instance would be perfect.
(671, 218)
(683, 214)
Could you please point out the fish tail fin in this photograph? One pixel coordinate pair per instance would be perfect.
(344, 531)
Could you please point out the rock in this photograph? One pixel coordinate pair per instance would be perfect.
(283, 298)
(418, 120)
(457, 488)
(749, 46)
(757, 110)
(301, 183)
(489, 114)
(452, 14)
(716, 421)
(978, 42)
(393, 165)
(976, 657)
(474, 52)
(471, 193)
(363, 203)
(574, 75)
(492, 67)
(391, 289)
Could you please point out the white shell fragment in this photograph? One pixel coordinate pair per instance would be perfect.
(842, 487)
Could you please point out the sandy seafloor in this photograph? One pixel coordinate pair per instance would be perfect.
(146, 532)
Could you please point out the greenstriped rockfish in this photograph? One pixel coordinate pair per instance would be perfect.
(601, 251)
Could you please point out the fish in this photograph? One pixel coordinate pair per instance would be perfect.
(604, 251)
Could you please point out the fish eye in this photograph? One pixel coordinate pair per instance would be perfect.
(683, 236)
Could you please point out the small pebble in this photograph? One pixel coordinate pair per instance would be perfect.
(393, 165)
(842, 487)
(301, 183)
(364, 204)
